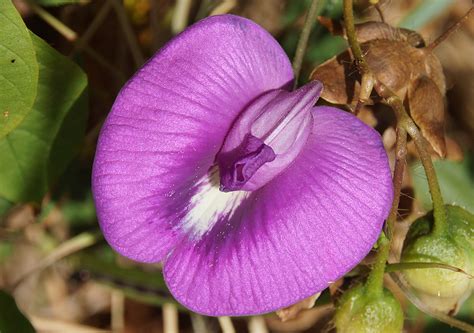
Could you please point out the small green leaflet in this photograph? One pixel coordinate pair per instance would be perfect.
(18, 69)
(455, 179)
(11, 319)
(38, 150)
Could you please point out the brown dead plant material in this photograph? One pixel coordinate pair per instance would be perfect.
(399, 59)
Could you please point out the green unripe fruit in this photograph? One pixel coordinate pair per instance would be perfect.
(362, 312)
(443, 289)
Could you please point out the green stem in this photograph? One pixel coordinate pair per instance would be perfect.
(374, 283)
(439, 210)
(352, 37)
(303, 41)
(403, 121)
(400, 161)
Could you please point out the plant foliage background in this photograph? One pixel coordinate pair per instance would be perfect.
(62, 62)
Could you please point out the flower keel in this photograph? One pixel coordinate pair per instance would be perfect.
(267, 137)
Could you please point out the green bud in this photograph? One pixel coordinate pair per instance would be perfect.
(362, 312)
(444, 290)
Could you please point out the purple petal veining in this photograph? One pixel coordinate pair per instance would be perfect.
(252, 197)
(291, 238)
(169, 122)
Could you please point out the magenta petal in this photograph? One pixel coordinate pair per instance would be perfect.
(291, 238)
(238, 166)
(169, 122)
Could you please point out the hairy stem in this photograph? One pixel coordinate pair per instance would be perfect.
(303, 41)
(399, 169)
(439, 210)
(375, 280)
(352, 38)
(403, 121)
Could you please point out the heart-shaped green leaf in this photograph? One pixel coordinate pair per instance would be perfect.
(38, 150)
(18, 69)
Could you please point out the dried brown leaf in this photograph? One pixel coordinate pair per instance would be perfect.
(426, 106)
(339, 77)
(454, 151)
(292, 311)
(395, 56)
(434, 70)
(393, 63)
(372, 30)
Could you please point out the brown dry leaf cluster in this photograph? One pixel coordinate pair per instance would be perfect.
(399, 60)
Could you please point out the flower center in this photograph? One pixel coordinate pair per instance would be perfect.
(266, 138)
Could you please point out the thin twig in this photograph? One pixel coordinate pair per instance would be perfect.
(303, 41)
(130, 36)
(117, 312)
(202, 324)
(59, 26)
(399, 170)
(257, 325)
(43, 324)
(450, 30)
(226, 325)
(180, 15)
(94, 25)
(67, 248)
(224, 7)
(170, 318)
(71, 35)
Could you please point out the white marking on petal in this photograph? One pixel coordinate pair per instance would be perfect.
(209, 204)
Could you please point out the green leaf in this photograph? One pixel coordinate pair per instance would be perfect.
(18, 69)
(11, 319)
(38, 150)
(455, 179)
(59, 2)
(5, 206)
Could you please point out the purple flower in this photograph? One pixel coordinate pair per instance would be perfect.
(251, 197)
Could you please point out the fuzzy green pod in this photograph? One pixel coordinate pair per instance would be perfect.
(443, 289)
(363, 312)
